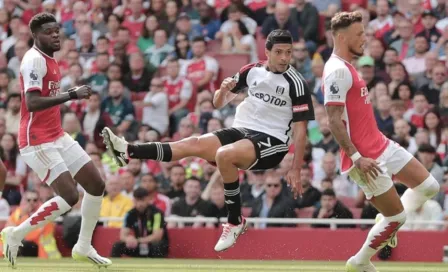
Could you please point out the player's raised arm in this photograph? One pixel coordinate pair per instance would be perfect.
(231, 86)
(36, 102)
(302, 111)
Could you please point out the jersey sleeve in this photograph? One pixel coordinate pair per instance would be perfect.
(299, 91)
(33, 70)
(336, 86)
(128, 221)
(211, 65)
(241, 78)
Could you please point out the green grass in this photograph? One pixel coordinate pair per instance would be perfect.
(152, 265)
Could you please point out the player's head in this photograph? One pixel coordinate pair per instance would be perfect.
(348, 32)
(279, 50)
(45, 31)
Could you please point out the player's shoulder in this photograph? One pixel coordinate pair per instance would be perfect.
(336, 68)
(246, 68)
(33, 59)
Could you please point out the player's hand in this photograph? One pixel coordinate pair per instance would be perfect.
(369, 167)
(131, 242)
(83, 92)
(227, 84)
(294, 182)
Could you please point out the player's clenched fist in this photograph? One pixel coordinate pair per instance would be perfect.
(80, 92)
(228, 84)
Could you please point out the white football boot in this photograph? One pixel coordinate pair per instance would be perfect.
(90, 257)
(117, 146)
(230, 234)
(11, 246)
(351, 266)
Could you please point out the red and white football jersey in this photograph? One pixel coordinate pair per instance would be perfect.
(195, 70)
(39, 73)
(343, 86)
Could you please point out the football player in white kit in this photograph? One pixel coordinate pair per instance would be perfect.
(278, 103)
(366, 154)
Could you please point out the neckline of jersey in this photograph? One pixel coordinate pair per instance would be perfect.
(333, 54)
(277, 73)
(40, 51)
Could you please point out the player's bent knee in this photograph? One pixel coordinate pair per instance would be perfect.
(225, 154)
(429, 187)
(71, 197)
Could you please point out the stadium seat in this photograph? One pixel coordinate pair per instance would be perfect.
(305, 212)
(349, 202)
(139, 113)
(321, 27)
(214, 46)
(356, 212)
(230, 64)
(246, 211)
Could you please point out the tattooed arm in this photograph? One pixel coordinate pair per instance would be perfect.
(338, 129)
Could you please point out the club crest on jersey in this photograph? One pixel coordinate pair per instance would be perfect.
(279, 90)
(33, 75)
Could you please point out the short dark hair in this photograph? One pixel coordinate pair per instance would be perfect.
(344, 19)
(391, 49)
(140, 193)
(39, 19)
(194, 178)
(199, 39)
(328, 192)
(278, 36)
(426, 148)
(420, 93)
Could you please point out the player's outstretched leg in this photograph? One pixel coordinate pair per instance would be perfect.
(91, 181)
(204, 147)
(65, 187)
(230, 158)
(390, 206)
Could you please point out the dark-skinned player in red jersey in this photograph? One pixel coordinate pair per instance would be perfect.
(56, 158)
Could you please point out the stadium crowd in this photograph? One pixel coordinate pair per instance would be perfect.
(154, 66)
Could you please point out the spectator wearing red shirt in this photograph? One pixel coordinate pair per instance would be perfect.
(162, 202)
(383, 19)
(416, 11)
(124, 37)
(135, 21)
(113, 25)
(417, 113)
(34, 7)
(430, 32)
(405, 44)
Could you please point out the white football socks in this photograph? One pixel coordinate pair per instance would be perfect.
(90, 211)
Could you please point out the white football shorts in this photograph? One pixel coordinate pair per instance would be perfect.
(49, 160)
(393, 159)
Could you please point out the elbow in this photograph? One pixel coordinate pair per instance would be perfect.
(30, 106)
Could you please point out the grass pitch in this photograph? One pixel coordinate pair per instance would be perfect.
(180, 265)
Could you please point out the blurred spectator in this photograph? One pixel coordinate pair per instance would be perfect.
(70, 11)
(307, 17)
(281, 19)
(102, 169)
(183, 26)
(16, 169)
(73, 78)
(443, 106)
(421, 137)
(124, 38)
(97, 69)
(207, 25)
(82, 24)
(139, 77)
(157, 199)
(214, 124)
(405, 45)
(143, 233)
(236, 15)
(264, 12)
(115, 203)
(12, 115)
(146, 38)
(238, 40)
(301, 60)
(241, 6)
(135, 168)
(253, 188)
(416, 63)
(171, 14)
(20, 49)
(41, 241)
(328, 143)
(113, 24)
(186, 129)
(430, 32)
(383, 19)
(416, 114)
(72, 126)
(86, 48)
(390, 58)
(432, 90)
(273, 204)
(119, 108)
(340, 183)
(179, 91)
(94, 119)
(366, 66)
(431, 59)
(433, 125)
(161, 49)
(192, 205)
(404, 92)
(311, 195)
(15, 24)
(155, 104)
(182, 51)
(177, 181)
(427, 155)
(429, 211)
(214, 192)
(382, 114)
(330, 207)
(128, 181)
(134, 21)
(202, 70)
(402, 134)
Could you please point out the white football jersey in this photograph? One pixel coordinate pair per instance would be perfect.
(274, 100)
